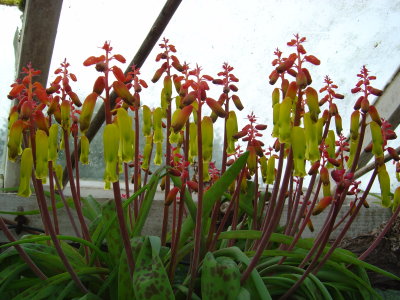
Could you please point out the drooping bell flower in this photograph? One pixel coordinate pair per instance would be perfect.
(84, 156)
(99, 85)
(157, 125)
(158, 156)
(338, 124)
(237, 102)
(312, 103)
(285, 120)
(292, 91)
(192, 142)
(312, 146)
(216, 107)
(41, 140)
(15, 140)
(146, 152)
(271, 170)
(322, 204)
(126, 134)
(147, 123)
(87, 111)
(384, 183)
(25, 173)
(53, 143)
(111, 146)
(13, 116)
(299, 150)
(377, 139)
(231, 129)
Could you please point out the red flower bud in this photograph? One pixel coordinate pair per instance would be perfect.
(292, 90)
(357, 105)
(364, 105)
(301, 79)
(157, 74)
(93, 60)
(26, 110)
(233, 87)
(292, 72)
(99, 85)
(174, 172)
(15, 91)
(312, 59)
(273, 77)
(171, 197)
(284, 66)
(375, 91)
(393, 153)
(322, 204)
(314, 168)
(237, 102)
(261, 126)
(218, 81)
(123, 92)
(324, 174)
(189, 98)
(308, 76)
(101, 67)
(75, 99)
(193, 185)
(118, 74)
(120, 58)
(373, 113)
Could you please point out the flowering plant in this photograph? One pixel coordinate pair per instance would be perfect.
(225, 215)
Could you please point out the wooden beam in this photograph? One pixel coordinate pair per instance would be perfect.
(388, 106)
(141, 55)
(39, 30)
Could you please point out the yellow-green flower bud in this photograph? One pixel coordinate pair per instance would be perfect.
(111, 146)
(84, 157)
(384, 183)
(284, 121)
(126, 134)
(275, 120)
(164, 104)
(353, 150)
(87, 112)
(158, 156)
(312, 146)
(263, 166)
(12, 118)
(312, 103)
(53, 143)
(299, 150)
(252, 160)
(15, 140)
(180, 117)
(275, 96)
(41, 141)
(320, 127)
(192, 142)
(167, 87)
(25, 173)
(354, 124)
(271, 170)
(326, 189)
(147, 124)
(206, 173)
(231, 129)
(377, 139)
(207, 134)
(331, 144)
(65, 115)
(157, 125)
(338, 124)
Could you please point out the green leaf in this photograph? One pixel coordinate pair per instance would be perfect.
(113, 236)
(150, 280)
(91, 208)
(220, 278)
(147, 202)
(125, 288)
(254, 283)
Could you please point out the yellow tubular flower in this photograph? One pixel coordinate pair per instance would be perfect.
(284, 121)
(312, 150)
(157, 125)
(384, 183)
(147, 124)
(158, 156)
(111, 146)
(84, 157)
(192, 142)
(377, 139)
(126, 135)
(41, 141)
(15, 140)
(25, 173)
(299, 151)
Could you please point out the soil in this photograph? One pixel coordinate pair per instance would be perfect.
(386, 255)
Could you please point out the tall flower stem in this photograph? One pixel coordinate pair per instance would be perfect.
(53, 198)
